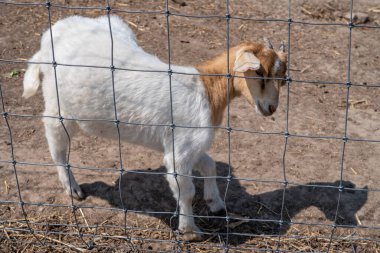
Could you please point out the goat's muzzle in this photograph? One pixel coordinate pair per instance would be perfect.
(267, 111)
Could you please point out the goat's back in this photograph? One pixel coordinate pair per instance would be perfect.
(87, 92)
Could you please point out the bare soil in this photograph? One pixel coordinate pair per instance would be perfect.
(319, 54)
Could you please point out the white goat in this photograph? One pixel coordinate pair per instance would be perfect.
(144, 97)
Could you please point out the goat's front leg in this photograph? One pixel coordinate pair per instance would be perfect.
(206, 166)
(183, 190)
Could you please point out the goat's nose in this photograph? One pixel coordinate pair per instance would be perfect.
(272, 109)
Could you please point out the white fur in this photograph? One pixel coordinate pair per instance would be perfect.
(141, 97)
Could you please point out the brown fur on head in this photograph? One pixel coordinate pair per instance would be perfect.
(246, 60)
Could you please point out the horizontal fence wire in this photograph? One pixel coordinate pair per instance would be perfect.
(246, 179)
(311, 82)
(6, 226)
(209, 245)
(81, 232)
(116, 10)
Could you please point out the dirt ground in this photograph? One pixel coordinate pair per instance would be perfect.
(318, 54)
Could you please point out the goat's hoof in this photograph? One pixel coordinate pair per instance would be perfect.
(190, 233)
(216, 205)
(220, 213)
(77, 193)
(192, 236)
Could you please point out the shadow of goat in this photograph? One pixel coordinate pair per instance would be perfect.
(151, 193)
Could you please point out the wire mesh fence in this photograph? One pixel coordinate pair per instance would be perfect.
(269, 225)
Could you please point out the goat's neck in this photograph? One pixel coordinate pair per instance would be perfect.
(216, 86)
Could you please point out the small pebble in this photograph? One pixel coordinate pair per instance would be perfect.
(358, 17)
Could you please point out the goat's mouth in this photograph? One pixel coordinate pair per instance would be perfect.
(264, 112)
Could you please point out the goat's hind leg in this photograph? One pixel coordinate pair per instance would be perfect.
(58, 140)
(183, 190)
(206, 166)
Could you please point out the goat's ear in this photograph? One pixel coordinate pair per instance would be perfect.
(246, 61)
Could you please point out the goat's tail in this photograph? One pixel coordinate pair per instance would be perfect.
(32, 78)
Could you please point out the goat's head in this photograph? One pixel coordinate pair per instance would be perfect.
(262, 72)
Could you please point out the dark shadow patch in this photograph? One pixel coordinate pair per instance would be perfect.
(151, 193)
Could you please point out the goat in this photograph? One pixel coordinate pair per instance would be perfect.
(198, 100)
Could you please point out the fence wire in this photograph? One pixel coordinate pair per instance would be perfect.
(86, 239)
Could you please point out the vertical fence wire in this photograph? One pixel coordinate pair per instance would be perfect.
(108, 10)
(286, 132)
(228, 128)
(177, 213)
(61, 121)
(345, 137)
(179, 244)
(13, 163)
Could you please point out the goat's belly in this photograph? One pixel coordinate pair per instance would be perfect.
(147, 136)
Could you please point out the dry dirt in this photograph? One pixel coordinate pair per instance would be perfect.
(318, 53)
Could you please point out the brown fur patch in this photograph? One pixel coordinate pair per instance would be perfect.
(216, 86)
